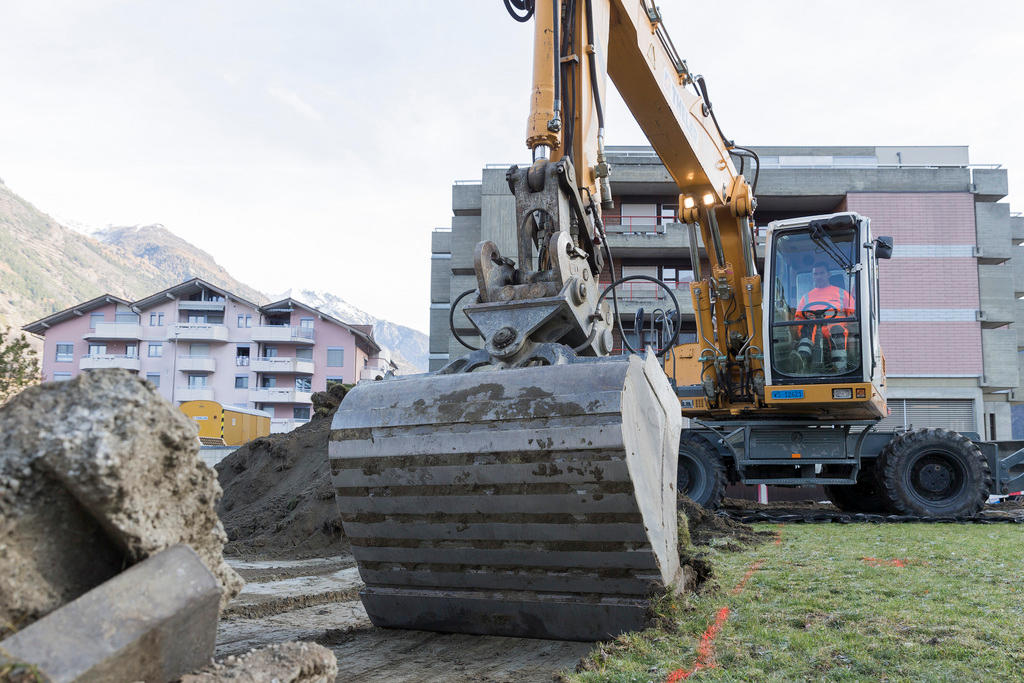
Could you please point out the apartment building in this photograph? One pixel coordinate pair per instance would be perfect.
(196, 341)
(951, 320)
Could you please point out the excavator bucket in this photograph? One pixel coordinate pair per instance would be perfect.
(536, 502)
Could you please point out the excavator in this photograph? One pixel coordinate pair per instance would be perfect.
(529, 488)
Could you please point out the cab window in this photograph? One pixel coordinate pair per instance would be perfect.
(815, 329)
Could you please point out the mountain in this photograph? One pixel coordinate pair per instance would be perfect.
(175, 258)
(46, 267)
(409, 347)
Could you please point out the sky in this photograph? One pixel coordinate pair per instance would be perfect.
(313, 144)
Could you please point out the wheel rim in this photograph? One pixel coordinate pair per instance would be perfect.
(935, 477)
(693, 479)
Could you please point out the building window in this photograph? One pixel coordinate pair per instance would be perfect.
(197, 381)
(156, 350)
(270, 352)
(245, 321)
(97, 349)
(335, 357)
(241, 381)
(331, 381)
(152, 319)
(198, 318)
(199, 350)
(304, 353)
(306, 322)
(241, 321)
(156, 319)
(131, 350)
(65, 352)
(153, 378)
(242, 356)
(127, 318)
(93, 319)
(303, 384)
(269, 382)
(300, 412)
(61, 376)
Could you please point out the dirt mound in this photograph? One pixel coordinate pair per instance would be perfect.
(709, 528)
(743, 504)
(278, 498)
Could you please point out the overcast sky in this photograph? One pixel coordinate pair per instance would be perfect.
(313, 144)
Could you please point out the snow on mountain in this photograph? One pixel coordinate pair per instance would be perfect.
(409, 347)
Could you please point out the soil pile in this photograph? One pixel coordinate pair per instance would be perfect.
(709, 528)
(278, 498)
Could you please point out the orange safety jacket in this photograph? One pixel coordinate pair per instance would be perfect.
(838, 298)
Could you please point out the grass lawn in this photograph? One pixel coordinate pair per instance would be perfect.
(931, 602)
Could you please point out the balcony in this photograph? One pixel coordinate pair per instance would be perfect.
(637, 294)
(200, 305)
(109, 360)
(193, 394)
(196, 364)
(276, 364)
(197, 332)
(281, 425)
(283, 334)
(132, 331)
(279, 395)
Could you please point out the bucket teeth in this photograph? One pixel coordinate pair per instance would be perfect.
(536, 502)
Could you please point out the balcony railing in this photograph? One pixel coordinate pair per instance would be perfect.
(284, 333)
(643, 290)
(278, 364)
(196, 364)
(285, 424)
(198, 332)
(184, 305)
(193, 394)
(637, 224)
(109, 360)
(115, 331)
(279, 395)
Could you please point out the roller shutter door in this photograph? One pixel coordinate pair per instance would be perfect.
(949, 413)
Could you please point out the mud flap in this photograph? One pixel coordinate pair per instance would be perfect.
(536, 502)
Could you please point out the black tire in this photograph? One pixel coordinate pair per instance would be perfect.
(934, 473)
(701, 471)
(864, 496)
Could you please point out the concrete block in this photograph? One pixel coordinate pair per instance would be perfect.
(153, 622)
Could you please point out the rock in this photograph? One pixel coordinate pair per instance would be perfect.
(153, 622)
(97, 473)
(293, 662)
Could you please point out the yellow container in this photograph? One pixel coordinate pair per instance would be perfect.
(226, 425)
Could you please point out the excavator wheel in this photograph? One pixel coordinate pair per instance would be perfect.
(934, 473)
(701, 471)
(864, 496)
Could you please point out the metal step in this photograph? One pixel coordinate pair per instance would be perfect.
(1011, 472)
(536, 502)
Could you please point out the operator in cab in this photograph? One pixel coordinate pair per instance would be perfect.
(825, 302)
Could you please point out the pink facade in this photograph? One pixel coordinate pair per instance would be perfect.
(923, 326)
(198, 342)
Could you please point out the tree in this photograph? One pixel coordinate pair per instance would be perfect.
(19, 364)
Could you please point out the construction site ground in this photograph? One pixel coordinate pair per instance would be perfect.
(788, 602)
(317, 599)
(854, 602)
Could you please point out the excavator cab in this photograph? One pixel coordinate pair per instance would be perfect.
(821, 326)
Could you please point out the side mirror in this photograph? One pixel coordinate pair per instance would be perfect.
(883, 247)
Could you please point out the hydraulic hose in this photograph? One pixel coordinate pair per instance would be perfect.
(451, 320)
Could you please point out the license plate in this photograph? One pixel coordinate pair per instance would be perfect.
(787, 393)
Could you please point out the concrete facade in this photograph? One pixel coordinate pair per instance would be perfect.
(951, 320)
(196, 341)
